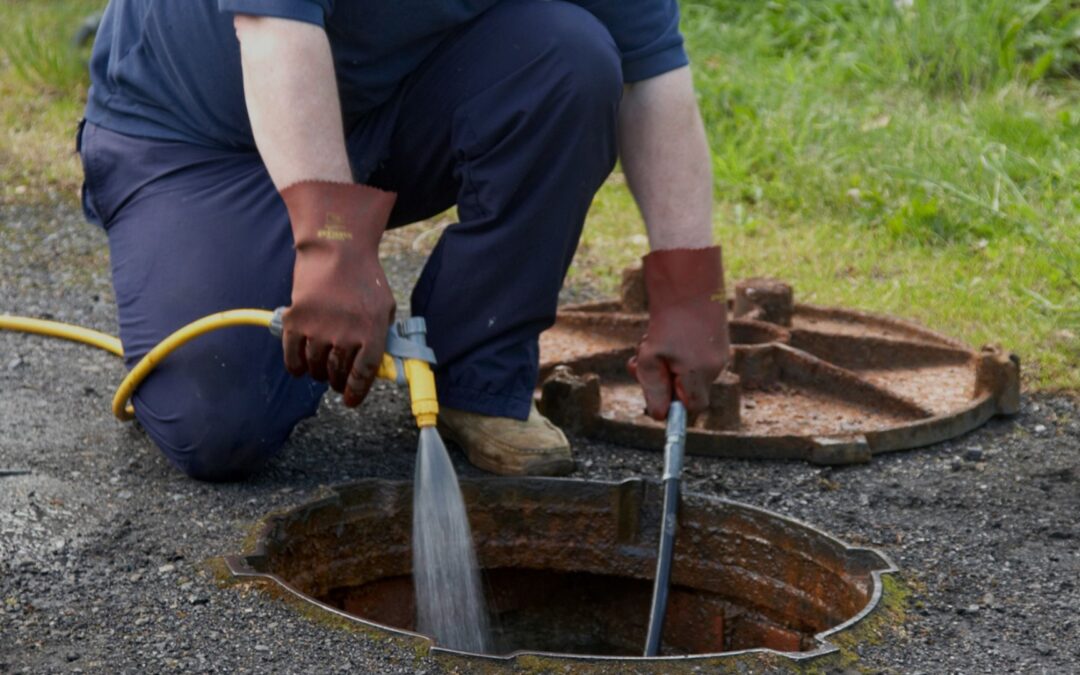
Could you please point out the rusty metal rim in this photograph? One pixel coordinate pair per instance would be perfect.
(926, 431)
(613, 313)
(920, 331)
(842, 447)
(239, 566)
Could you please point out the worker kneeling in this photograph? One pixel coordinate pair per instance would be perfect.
(249, 154)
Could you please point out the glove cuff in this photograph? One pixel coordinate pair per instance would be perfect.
(327, 213)
(680, 275)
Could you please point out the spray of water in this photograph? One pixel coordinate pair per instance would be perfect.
(449, 598)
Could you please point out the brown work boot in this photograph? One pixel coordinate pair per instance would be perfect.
(534, 447)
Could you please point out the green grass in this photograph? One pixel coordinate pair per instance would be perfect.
(43, 85)
(920, 159)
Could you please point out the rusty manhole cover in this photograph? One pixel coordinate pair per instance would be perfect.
(568, 564)
(832, 386)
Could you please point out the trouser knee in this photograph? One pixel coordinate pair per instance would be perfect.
(221, 409)
(221, 441)
(214, 449)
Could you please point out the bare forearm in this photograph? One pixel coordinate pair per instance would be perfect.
(665, 157)
(292, 100)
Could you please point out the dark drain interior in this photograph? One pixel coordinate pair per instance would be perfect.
(581, 613)
(568, 567)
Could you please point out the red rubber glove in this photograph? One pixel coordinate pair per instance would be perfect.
(686, 344)
(342, 304)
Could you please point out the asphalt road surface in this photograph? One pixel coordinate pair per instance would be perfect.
(103, 543)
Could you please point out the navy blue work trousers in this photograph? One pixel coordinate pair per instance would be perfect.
(512, 119)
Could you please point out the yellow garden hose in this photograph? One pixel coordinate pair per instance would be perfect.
(417, 372)
(62, 330)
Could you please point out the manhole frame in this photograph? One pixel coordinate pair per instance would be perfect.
(244, 567)
(572, 398)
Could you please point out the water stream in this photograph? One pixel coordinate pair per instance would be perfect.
(449, 597)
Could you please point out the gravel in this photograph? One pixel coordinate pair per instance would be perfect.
(103, 544)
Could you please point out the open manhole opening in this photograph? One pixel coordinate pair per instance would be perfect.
(586, 614)
(568, 568)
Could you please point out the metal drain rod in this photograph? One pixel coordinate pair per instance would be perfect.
(674, 449)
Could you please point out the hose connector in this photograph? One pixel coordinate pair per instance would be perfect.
(425, 405)
(277, 322)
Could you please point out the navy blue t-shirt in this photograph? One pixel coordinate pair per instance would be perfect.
(170, 69)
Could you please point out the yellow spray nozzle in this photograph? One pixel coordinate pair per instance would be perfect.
(425, 405)
(421, 381)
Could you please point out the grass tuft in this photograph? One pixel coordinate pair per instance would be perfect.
(43, 82)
